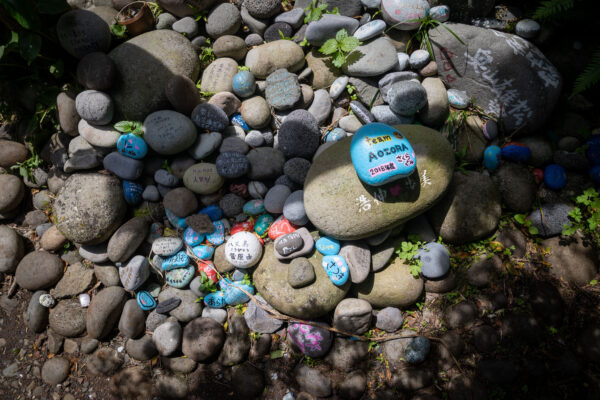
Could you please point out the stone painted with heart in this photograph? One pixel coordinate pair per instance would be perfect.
(243, 250)
(180, 277)
(179, 260)
(254, 207)
(132, 191)
(381, 154)
(132, 146)
(192, 238)
(177, 222)
(328, 246)
(145, 300)
(262, 225)
(204, 252)
(218, 236)
(336, 269)
(215, 299)
(280, 227)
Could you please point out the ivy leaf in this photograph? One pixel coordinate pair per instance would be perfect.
(349, 44)
(329, 47)
(29, 45)
(341, 35)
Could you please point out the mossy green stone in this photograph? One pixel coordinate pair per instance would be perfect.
(341, 206)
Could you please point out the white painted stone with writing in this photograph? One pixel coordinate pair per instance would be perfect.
(166, 246)
(243, 250)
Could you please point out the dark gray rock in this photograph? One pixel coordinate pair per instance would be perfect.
(81, 32)
(299, 135)
(124, 167)
(406, 97)
(203, 338)
(258, 320)
(272, 33)
(358, 258)
(300, 273)
(353, 386)
(142, 349)
(181, 201)
(133, 318)
(11, 249)
(293, 208)
(389, 319)
(263, 8)
(210, 117)
(225, 19)
(96, 71)
(460, 315)
(167, 337)
(247, 381)
(187, 26)
(516, 185)
(312, 381)
(231, 165)
(182, 93)
(232, 204)
(105, 361)
(12, 193)
(104, 311)
(353, 315)
(125, 241)
(348, 355)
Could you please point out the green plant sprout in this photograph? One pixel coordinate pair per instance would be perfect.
(422, 34)
(119, 31)
(155, 8)
(27, 167)
(522, 220)
(408, 252)
(585, 216)
(352, 91)
(340, 47)
(135, 127)
(315, 11)
(283, 37)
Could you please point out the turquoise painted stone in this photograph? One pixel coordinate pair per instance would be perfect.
(215, 299)
(179, 260)
(491, 157)
(218, 236)
(132, 146)
(440, 13)
(335, 135)
(180, 277)
(132, 191)
(145, 300)
(192, 238)
(328, 246)
(234, 296)
(176, 221)
(254, 207)
(204, 252)
(214, 212)
(244, 84)
(261, 227)
(236, 119)
(381, 154)
(336, 269)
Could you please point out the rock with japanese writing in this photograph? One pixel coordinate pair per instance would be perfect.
(336, 268)
(243, 250)
(381, 154)
(282, 89)
(328, 246)
(180, 277)
(179, 260)
(203, 178)
(501, 72)
(166, 246)
(312, 341)
(215, 299)
(288, 244)
(332, 187)
(403, 14)
(209, 117)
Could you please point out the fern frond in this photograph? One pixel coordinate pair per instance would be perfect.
(590, 76)
(552, 9)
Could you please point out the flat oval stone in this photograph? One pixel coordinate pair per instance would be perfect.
(288, 244)
(145, 300)
(491, 157)
(177, 222)
(332, 187)
(132, 191)
(203, 178)
(215, 299)
(192, 238)
(370, 30)
(133, 146)
(436, 260)
(217, 237)
(381, 154)
(361, 112)
(135, 273)
(243, 250)
(262, 224)
(244, 84)
(282, 89)
(205, 145)
(204, 252)
(104, 136)
(170, 304)
(336, 269)
(209, 117)
(179, 260)
(169, 132)
(328, 246)
(338, 86)
(166, 246)
(124, 167)
(180, 277)
(254, 207)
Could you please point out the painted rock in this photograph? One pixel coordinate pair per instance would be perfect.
(180, 277)
(145, 300)
(132, 146)
(132, 191)
(491, 157)
(595, 173)
(401, 14)
(234, 296)
(135, 273)
(312, 341)
(555, 176)
(218, 236)
(204, 252)
(336, 269)
(214, 212)
(288, 244)
(244, 84)
(328, 246)
(209, 269)
(515, 151)
(215, 300)
(179, 260)
(370, 30)
(254, 207)
(538, 175)
(281, 226)
(458, 98)
(192, 238)
(176, 221)
(416, 350)
(308, 244)
(261, 227)
(335, 135)
(168, 305)
(236, 119)
(440, 13)
(380, 154)
(243, 250)
(156, 263)
(166, 246)
(246, 226)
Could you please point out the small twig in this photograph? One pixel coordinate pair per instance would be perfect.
(12, 289)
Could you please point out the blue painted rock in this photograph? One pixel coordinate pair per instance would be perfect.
(555, 176)
(179, 260)
(336, 269)
(370, 30)
(215, 299)
(244, 84)
(192, 238)
(254, 207)
(132, 146)
(436, 260)
(145, 300)
(243, 250)
(176, 221)
(204, 252)
(166, 246)
(236, 119)
(312, 341)
(515, 151)
(132, 191)
(335, 135)
(491, 157)
(282, 89)
(416, 350)
(381, 154)
(180, 277)
(402, 14)
(328, 246)
(234, 296)
(458, 98)
(261, 227)
(593, 151)
(440, 13)
(595, 173)
(214, 212)
(218, 236)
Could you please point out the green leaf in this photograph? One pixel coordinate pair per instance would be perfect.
(339, 59)
(276, 354)
(533, 230)
(329, 47)
(341, 35)
(349, 44)
(23, 12)
(568, 230)
(29, 45)
(123, 126)
(520, 218)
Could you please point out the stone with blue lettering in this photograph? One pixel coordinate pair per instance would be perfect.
(204, 252)
(261, 227)
(328, 246)
(335, 135)
(491, 157)
(176, 221)
(336, 269)
(132, 146)
(179, 260)
(370, 30)
(145, 300)
(132, 191)
(192, 238)
(215, 299)
(555, 176)
(440, 13)
(254, 207)
(218, 236)
(244, 84)
(236, 119)
(180, 277)
(381, 154)
(458, 98)
(214, 212)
